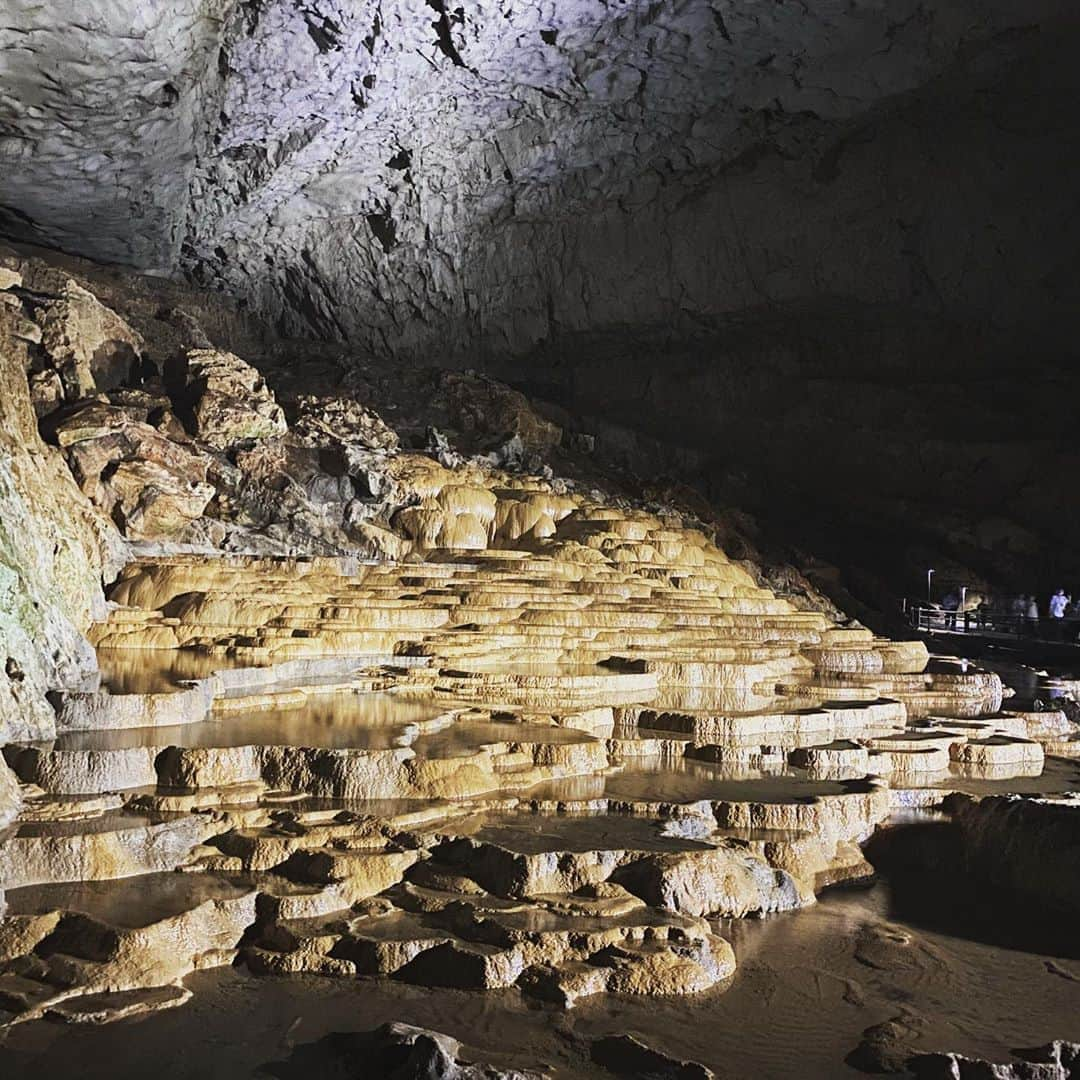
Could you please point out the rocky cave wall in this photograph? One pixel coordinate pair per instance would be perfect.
(828, 249)
(59, 544)
(54, 550)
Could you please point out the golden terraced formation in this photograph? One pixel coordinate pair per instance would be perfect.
(394, 681)
(544, 749)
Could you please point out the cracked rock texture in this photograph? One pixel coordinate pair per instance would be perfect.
(53, 549)
(852, 223)
(63, 349)
(502, 174)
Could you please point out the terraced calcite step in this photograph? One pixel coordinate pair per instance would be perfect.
(542, 755)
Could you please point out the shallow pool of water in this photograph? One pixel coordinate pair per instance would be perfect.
(807, 985)
(156, 671)
(338, 721)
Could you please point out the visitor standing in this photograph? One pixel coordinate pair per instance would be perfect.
(1032, 617)
(1018, 613)
(951, 604)
(1056, 609)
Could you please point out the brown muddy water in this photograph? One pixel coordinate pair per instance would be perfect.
(807, 985)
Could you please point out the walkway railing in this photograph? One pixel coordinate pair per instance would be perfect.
(929, 618)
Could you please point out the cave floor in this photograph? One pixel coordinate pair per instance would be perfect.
(807, 985)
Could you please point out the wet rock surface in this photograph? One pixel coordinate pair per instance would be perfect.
(886, 1048)
(398, 705)
(395, 1051)
(1056, 1061)
(882, 1051)
(799, 1003)
(1019, 851)
(624, 1055)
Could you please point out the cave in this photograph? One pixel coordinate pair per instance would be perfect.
(536, 538)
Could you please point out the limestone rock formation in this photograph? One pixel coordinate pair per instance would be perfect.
(1055, 1061)
(378, 694)
(887, 1048)
(10, 796)
(547, 657)
(556, 138)
(689, 230)
(230, 401)
(331, 422)
(394, 1051)
(624, 1055)
(79, 956)
(54, 551)
(149, 484)
(489, 415)
(90, 347)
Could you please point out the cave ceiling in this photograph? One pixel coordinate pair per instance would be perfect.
(476, 179)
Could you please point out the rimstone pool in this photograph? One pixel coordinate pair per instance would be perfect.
(519, 793)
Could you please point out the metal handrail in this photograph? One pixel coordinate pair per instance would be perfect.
(930, 618)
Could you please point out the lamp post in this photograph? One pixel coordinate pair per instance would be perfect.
(929, 577)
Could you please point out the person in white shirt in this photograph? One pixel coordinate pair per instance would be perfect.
(1057, 606)
(1032, 627)
(1018, 609)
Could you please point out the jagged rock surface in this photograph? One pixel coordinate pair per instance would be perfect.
(10, 796)
(230, 401)
(775, 199)
(1055, 1061)
(280, 148)
(399, 702)
(54, 548)
(395, 1052)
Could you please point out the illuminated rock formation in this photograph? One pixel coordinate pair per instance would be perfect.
(375, 704)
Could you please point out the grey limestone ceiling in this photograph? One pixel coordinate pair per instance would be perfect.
(419, 177)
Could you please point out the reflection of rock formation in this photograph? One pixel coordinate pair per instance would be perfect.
(1001, 868)
(397, 674)
(1029, 848)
